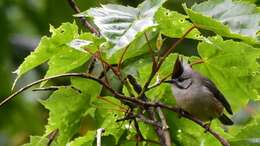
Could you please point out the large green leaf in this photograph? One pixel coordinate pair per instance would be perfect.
(120, 24)
(66, 106)
(231, 19)
(66, 60)
(174, 24)
(48, 47)
(72, 55)
(231, 65)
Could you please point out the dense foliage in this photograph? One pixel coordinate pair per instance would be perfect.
(143, 43)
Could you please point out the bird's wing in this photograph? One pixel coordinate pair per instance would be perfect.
(217, 94)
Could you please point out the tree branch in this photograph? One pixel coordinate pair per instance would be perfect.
(83, 20)
(142, 118)
(82, 75)
(136, 101)
(165, 127)
(150, 50)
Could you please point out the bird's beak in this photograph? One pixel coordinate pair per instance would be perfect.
(171, 81)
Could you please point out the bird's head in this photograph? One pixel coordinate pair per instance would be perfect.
(181, 75)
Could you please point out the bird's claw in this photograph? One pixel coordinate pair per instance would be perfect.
(181, 112)
(207, 126)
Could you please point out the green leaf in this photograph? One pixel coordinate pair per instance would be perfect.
(66, 107)
(231, 65)
(48, 47)
(67, 59)
(88, 87)
(230, 19)
(248, 136)
(39, 141)
(174, 24)
(148, 131)
(86, 140)
(120, 24)
(108, 111)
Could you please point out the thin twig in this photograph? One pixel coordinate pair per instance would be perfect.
(159, 83)
(121, 59)
(150, 50)
(142, 118)
(165, 128)
(83, 20)
(54, 88)
(82, 75)
(99, 135)
(106, 63)
(138, 131)
(197, 62)
(103, 65)
(50, 88)
(51, 136)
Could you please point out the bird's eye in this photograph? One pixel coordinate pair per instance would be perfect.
(181, 79)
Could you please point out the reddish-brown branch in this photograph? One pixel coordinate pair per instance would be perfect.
(97, 56)
(165, 127)
(160, 82)
(121, 59)
(150, 50)
(197, 62)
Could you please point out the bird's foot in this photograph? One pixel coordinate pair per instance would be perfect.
(181, 112)
(207, 126)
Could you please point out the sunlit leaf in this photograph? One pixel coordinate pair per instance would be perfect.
(174, 24)
(112, 108)
(66, 107)
(39, 141)
(231, 19)
(86, 140)
(120, 24)
(48, 47)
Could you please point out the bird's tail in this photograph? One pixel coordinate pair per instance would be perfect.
(225, 120)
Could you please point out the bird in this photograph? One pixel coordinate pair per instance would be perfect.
(198, 95)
